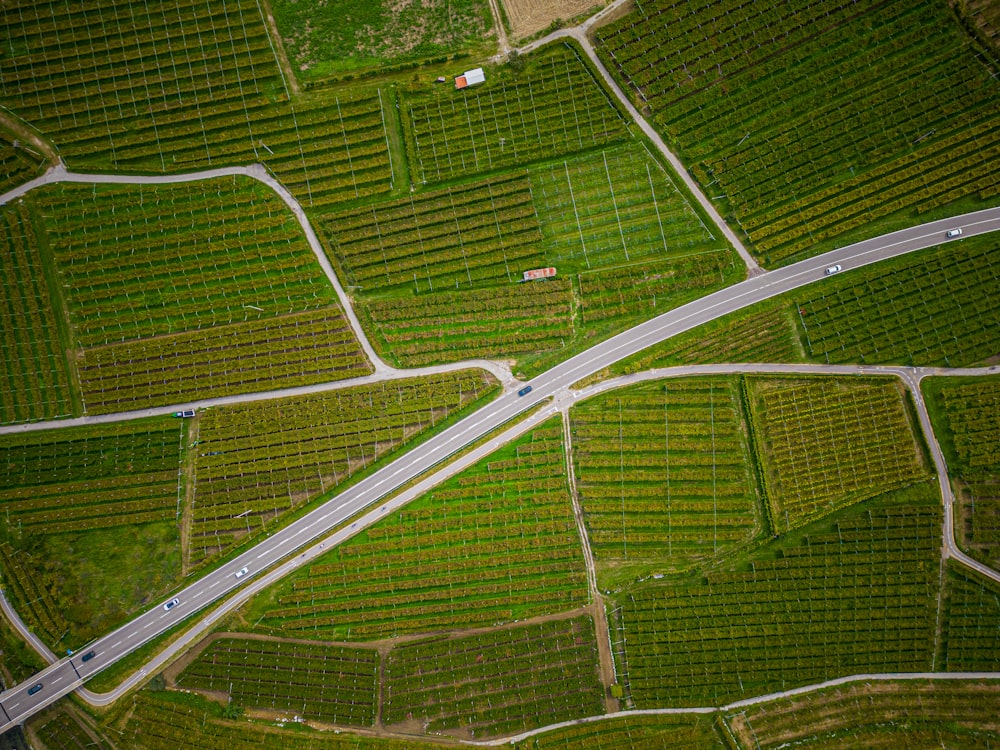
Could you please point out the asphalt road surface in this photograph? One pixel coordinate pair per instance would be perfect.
(66, 675)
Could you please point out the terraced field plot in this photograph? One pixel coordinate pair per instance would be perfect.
(854, 595)
(886, 714)
(316, 681)
(811, 121)
(468, 235)
(938, 309)
(553, 107)
(971, 612)
(830, 442)
(969, 433)
(663, 732)
(498, 682)
(662, 472)
(182, 292)
(496, 543)
(448, 326)
(173, 87)
(257, 460)
(34, 373)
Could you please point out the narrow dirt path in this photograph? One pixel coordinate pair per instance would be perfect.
(503, 46)
(23, 131)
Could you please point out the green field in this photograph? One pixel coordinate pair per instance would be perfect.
(258, 460)
(498, 682)
(183, 292)
(497, 323)
(469, 235)
(323, 40)
(554, 106)
(945, 713)
(966, 415)
(938, 308)
(809, 122)
(663, 732)
(18, 164)
(64, 731)
(34, 373)
(167, 720)
(173, 87)
(76, 503)
(316, 681)
(971, 614)
(829, 442)
(662, 472)
(852, 593)
(496, 543)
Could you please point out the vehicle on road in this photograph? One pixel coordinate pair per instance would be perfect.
(524, 391)
(957, 232)
(34, 689)
(185, 413)
(88, 656)
(832, 270)
(171, 604)
(242, 572)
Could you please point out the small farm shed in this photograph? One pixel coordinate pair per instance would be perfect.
(470, 78)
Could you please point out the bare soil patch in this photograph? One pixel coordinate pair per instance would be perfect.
(528, 17)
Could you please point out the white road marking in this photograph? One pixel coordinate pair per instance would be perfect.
(115, 644)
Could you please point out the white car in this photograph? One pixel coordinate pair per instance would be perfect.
(242, 572)
(957, 232)
(832, 270)
(171, 604)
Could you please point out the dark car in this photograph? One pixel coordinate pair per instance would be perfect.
(524, 391)
(34, 689)
(88, 656)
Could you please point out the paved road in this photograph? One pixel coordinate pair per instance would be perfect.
(68, 674)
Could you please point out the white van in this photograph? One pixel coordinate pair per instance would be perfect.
(954, 232)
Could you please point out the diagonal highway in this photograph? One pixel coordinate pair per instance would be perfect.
(64, 676)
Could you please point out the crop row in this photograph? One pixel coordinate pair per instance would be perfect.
(853, 132)
(143, 87)
(140, 260)
(34, 381)
(613, 207)
(32, 600)
(469, 324)
(492, 550)
(554, 107)
(497, 682)
(290, 350)
(940, 309)
(836, 607)
(661, 470)
(62, 731)
(653, 287)
(971, 611)
(829, 442)
(258, 460)
(480, 231)
(841, 711)
(17, 164)
(316, 681)
(973, 413)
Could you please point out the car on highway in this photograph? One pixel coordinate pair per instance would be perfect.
(242, 572)
(171, 604)
(832, 270)
(957, 232)
(34, 688)
(524, 391)
(88, 656)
